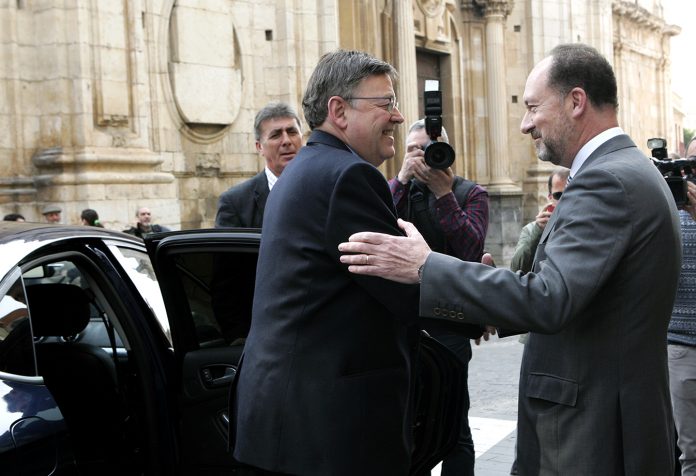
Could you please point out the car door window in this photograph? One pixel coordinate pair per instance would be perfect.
(139, 268)
(219, 288)
(16, 343)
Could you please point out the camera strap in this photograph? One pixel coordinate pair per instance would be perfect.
(419, 214)
(421, 210)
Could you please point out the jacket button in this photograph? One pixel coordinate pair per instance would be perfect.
(460, 316)
(452, 314)
(436, 311)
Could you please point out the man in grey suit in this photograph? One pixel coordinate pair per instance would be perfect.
(594, 394)
(278, 139)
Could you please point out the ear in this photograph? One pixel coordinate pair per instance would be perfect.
(579, 100)
(259, 147)
(337, 110)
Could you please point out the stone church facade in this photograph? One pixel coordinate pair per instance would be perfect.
(117, 104)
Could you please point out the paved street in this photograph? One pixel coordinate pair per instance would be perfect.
(493, 378)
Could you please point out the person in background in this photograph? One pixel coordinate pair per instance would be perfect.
(452, 215)
(89, 217)
(681, 337)
(531, 233)
(51, 214)
(278, 139)
(144, 225)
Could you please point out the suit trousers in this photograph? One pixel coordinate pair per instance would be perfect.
(460, 461)
(682, 387)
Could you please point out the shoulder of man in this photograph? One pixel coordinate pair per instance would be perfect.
(462, 188)
(245, 186)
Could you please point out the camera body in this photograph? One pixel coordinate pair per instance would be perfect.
(438, 155)
(676, 172)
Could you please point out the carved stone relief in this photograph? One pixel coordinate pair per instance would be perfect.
(204, 63)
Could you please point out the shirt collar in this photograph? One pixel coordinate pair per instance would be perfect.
(592, 145)
(272, 179)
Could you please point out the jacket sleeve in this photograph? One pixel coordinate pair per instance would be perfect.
(588, 237)
(361, 201)
(227, 215)
(526, 247)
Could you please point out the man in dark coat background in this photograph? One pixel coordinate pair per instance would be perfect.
(278, 139)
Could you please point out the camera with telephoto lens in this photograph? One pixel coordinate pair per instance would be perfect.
(676, 172)
(438, 155)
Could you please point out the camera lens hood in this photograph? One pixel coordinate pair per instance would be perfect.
(439, 155)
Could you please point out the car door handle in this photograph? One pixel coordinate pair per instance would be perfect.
(215, 376)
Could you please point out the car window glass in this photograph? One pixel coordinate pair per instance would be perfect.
(16, 343)
(219, 288)
(139, 268)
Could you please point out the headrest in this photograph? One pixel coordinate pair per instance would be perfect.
(57, 309)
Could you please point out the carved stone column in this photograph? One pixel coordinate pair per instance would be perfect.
(406, 60)
(407, 85)
(495, 12)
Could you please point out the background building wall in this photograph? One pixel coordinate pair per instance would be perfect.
(113, 105)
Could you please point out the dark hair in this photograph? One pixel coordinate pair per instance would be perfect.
(273, 110)
(562, 172)
(91, 217)
(13, 217)
(338, 74)
(578, 65)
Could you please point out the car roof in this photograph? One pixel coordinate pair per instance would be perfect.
(19, 239)
(26, 231)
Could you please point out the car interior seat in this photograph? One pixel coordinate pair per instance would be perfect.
(81, 377)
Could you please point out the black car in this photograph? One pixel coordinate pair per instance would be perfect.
(116, 355)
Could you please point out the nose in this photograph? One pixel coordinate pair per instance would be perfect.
(526, 125)
(396, 115)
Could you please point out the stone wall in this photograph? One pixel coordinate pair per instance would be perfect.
(115, 104)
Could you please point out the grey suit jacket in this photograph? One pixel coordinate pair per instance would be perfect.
(594, 397)
(243, 204)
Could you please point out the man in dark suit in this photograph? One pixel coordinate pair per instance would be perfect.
(594, 396)
(324, 384)
(278, 138)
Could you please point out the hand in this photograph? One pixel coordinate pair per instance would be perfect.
(691, 199)
(438, 181)
(413, 161)
(487, 333)
(396, 258)
(544, 215)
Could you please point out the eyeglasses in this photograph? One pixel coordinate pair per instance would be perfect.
(389, 107)
(557, 195)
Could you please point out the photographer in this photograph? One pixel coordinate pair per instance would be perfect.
(452, 215)
(681, 336)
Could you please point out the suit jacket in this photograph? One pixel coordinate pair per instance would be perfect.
(243, 204)
(324, 385)
(594, 397)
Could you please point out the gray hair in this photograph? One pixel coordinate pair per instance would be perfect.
(273, 110)
(420, 124)
(338, 74)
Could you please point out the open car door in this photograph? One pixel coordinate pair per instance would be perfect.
(207, 282)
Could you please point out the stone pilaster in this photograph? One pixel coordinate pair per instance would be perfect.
(495, 12)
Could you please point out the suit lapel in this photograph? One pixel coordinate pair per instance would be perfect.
(260, 195)
(612, 145)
